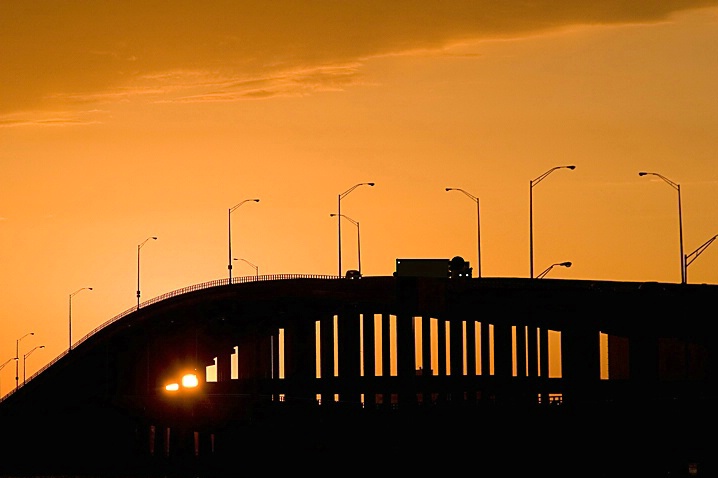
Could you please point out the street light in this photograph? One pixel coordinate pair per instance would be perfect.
(139, 246)
(356, 223)
(24, 357)
(689, 258)
(339, 218)
(70, 314)
(256, 268)
(562, 264)
(229, 222)
(17, 359)
(3, 366)
(677, 187)
(533, 183)
(478, 228)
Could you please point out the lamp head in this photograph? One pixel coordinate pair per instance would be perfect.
(571, 167)
(154, 237)
(449, 189)
(642, 173)
(255, 200)
(370, 184)
(566, 264)
(89, 288)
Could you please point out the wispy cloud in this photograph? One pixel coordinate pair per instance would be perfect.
(41, 119)
(295, 82)
(74, 52)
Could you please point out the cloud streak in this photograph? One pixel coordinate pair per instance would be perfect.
(56, 53)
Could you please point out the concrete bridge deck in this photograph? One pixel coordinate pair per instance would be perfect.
(415, 369)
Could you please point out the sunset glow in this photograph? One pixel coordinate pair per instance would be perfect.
(130, 120)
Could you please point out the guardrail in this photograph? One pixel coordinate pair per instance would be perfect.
(168, 295)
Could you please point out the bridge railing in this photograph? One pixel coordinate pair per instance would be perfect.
(175, 293)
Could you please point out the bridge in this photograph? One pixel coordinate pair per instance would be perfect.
(419, 371)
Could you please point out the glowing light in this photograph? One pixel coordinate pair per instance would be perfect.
(190, 380)
(172, 387)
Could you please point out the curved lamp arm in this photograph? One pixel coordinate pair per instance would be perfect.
(548, 269)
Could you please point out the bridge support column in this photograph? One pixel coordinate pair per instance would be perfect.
(300, 358)
(349, 354)
(369, 358)
(386, 359)
(405, 362)
(326, 359)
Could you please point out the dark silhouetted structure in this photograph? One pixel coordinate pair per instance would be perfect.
(318, 372)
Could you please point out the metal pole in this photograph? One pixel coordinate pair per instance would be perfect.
(680, 232)
(531, 229)
(229, 229)
(255, 267)
(358, 248)
(3, 366)
(339, 219)
(139, 246)
(478, 239)
(478, 228)
(138, 276)
(17, 359)
(689, 258)
(69, 347)
(339, 233)
(533, 183)
(229, 243)
(24, 360)
(677, 187)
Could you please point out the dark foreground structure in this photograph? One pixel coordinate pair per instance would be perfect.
(381, 375)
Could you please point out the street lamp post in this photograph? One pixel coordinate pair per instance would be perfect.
(356, 223)
(533, 183)
(17, 359)
(3, 366)
(69, 348)
(689, 258)
(256, 268)
(339, 218)
(229, 228)
(677, 187)
(561, 264)
(24, 358)
(139, 246)
(478, 228)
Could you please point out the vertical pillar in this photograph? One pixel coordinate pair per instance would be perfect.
(521, 351)
(456, 358)
(349, 353)
(532, 359)
(224, 364)
(503, 360)
(369, 358)
(386, 358)
(470, 326)
(580, 363)
(326, 358)
(441, 371)
(544, 363)
(300, 357)
(426, 359)
(405, 353)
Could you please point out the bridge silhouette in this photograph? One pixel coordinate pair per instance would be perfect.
(324, 371)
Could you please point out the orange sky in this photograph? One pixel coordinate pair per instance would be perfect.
(124, 120)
